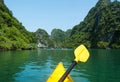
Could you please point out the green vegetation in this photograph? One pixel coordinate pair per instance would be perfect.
(13, 35)
(100, 28)
(56, 39)
(59, 37)
(41, 36)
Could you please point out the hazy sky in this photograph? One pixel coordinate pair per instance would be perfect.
(50, 14)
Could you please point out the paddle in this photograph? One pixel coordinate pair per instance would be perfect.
(81, 54)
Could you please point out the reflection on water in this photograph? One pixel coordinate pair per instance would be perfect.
(37, 65)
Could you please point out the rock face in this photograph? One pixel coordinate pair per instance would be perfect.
(100, 28)
(43, 39)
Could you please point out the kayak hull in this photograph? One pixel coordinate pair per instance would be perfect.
(57, 74)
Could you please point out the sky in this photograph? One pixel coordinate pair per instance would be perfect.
(50, 14)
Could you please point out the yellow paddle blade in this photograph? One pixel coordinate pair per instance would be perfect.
(57, 74)
(81, 53)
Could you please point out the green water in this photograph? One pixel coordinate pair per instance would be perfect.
(37, 65)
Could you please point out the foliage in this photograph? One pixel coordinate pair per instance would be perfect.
(13, 35)
(41, 36)
(59, 37)
(99, 28)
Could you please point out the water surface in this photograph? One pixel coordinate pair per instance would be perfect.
(37, 65)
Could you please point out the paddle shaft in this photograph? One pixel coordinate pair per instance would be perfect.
(68, 71)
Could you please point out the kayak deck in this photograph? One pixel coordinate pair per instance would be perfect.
(57, 74)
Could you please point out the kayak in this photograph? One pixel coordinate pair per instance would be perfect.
(57, 74)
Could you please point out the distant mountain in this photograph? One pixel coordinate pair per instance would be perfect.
(56, 39)
(13, 34)
(59, 37)
(42, 37)
(100, 28)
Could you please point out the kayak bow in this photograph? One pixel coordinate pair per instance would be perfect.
(57, 74)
